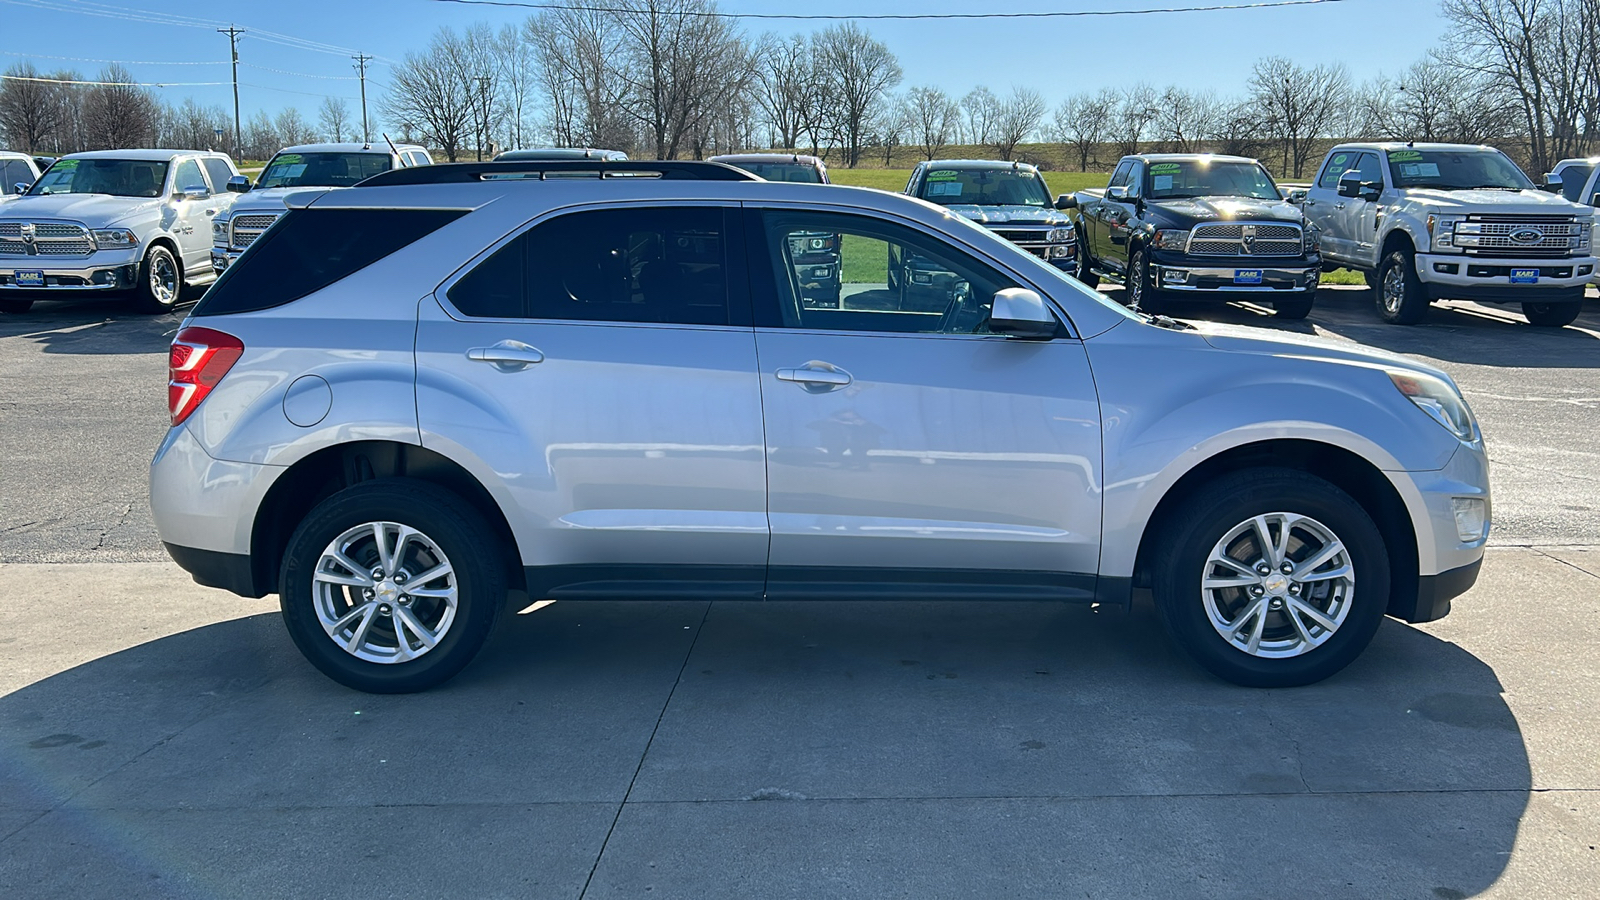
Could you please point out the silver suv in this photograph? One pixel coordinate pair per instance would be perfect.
(584, 380)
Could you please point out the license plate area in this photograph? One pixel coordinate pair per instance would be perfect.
(1246, 276)
(28, 278)
(1524, 276)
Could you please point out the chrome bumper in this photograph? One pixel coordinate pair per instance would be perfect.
(222, 258)
(70, 279)
(1223, 280)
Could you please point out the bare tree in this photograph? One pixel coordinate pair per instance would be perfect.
(1184, 119)
(261, 138)
(932, 119)
(292, 127)
(1239, 130)
(682, 66)
(118, 113)
(577, 49)
(1135, 113)
(31, 112)
(518, 72)
(980, 110)
(432, 89)
(1301, 105)
(1016, 119)
(785, 86)
(1083, 121)
(334, 117)
(860, 71)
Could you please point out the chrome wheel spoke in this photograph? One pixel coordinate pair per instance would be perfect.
(432, 593)
(1264, 541)
(1222, 559)
(1329, 550)
(1298, 608)
(433, 574)
(385, 628)
(1255, 616)
(404, 622)
(358, 579)
(369, 613)
(1327, 575)
(1216, 583)
(1241, 598)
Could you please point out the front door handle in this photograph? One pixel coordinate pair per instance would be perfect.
(816, 376)
(507, 356)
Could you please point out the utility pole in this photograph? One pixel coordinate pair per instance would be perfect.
(361, 68)
(483, 136)
(233, 44)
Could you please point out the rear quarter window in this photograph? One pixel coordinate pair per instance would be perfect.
(308, 249)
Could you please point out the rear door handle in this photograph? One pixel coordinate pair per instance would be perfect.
(507, 356)
(816, 376)
(1339, 205)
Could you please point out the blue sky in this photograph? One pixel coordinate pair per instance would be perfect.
(1057, 57)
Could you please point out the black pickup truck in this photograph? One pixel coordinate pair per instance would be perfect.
(1196, 225)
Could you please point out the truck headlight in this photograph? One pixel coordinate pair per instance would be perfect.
(1168, 239)
(1311, 239)
(1584, 231)
(1060, 235)
(1446, 231)
(115, 239)
(1439, 400)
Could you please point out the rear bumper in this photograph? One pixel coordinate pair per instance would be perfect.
(204, 510)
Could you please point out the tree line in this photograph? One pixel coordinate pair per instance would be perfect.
(659, 78)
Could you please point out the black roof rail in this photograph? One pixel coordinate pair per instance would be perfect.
(540, 169)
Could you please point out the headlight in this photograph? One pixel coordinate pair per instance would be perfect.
(1584, 229)
(115, 239)
(1439, 400)
(1444, 231)
(1167, 239)
(1060, 235)
(1311, 239)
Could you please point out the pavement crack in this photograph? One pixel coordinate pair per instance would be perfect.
(1294, 743)
(122, 517)
(1566, 562)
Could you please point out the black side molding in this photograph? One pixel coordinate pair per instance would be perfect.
(229, 571)
(1434, 593)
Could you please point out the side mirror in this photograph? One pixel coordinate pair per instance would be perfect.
(1350, 184)
(1552, 182)
(193, 192)
(1370, 190)
(21, 187)
(1021, 313)
(1595, 200)
(1296, 196)
(1066, 201)
(239, 184)
(1117, 193)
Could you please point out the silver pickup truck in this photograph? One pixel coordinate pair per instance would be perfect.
(113, 222)
(293, 169)
(1578, 180)
(1429, 222)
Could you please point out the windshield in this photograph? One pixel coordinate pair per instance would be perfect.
(1208, 178)
(985, 187)
(117, 177)
(793, 172)
(321, 169)
(1456, 170)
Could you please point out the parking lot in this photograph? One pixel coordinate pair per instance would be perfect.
(162, 739)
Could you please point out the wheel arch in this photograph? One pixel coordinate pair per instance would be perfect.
(319, 475)
(1397, 239)
(1350, 472)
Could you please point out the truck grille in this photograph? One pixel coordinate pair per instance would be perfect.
(47, 239)
(245, 229)
(1495, 237)
(1245, 239)
(1023, 236)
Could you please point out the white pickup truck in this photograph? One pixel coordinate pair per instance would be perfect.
(1429, 222)
(114, 221)
(1578, 180)
(18, 172)
(296, 169)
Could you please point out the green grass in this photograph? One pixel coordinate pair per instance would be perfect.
(1343, 276)
(895, 179)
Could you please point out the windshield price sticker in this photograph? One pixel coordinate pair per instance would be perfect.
(1405, 155)
(1419, 170)
(65, 164)
(287, 159)
(1161, 182)
(942, 175)
(944, 189)
(1165, 169)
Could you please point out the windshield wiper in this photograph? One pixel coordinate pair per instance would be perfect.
(1496, 187)
(1164, 321)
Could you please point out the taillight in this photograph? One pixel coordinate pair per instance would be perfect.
(198, 360)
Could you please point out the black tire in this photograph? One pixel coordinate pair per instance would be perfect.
(16, 305)
(160, 282)
(1296, 307)
(477, 558)
(1400, 298)
(1552, 315)
(1083, 269)
(1371, 278)
(1141, 291)
(1230, 502)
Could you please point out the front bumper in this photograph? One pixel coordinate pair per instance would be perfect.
(1447, 562)
(1234, 275)
(1456, 276)
(103, 270)
(222, 258)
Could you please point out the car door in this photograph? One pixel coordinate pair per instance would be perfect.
(1122, 218)
(600, 365)
(909, 450)
(1100, 213)
(193, 217)
(1356, 218)
(1323, 204)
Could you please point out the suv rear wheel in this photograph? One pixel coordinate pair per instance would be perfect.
(1401, 299)
(1271, 578)
(1551, 315)
(392, 585)
(160, 281)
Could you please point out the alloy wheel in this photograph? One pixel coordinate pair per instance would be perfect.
(1278, 585)
(384, 592)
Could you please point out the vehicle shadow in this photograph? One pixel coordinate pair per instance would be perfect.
(97, 327)
(216, 762)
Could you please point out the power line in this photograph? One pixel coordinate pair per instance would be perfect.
(300, 74)
(121, 62)
(874, 17)
(149, 84)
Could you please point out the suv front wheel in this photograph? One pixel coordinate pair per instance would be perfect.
(392, 585)
(1271, 578)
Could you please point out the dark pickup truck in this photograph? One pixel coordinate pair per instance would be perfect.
(1196, 225)
(1008, 198)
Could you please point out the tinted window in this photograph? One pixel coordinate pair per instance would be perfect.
(188, 176)
(795, 172)
(117, 177)
(220, 172)
(985, 187)
(308, 249)
(1447, 170)
(653, 265)
(890, 278)
(13, 171)
(1573, 178)
(322, 169)
(1338, 164)
(1120, 176)
(1209, 178)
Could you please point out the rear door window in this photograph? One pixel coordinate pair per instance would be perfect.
(220, 172)
(309, 249)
